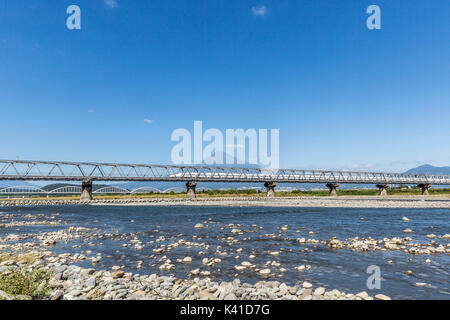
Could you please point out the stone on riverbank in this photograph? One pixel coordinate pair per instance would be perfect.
(382, 297)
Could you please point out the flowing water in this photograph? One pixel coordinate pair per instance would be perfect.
(341, 269)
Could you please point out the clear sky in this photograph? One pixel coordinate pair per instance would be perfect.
(342, 96)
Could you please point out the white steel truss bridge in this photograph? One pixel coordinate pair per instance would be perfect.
(87, 172)
(82, 171)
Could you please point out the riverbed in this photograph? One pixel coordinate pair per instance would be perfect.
(140, 239)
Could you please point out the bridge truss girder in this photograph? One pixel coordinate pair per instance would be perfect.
(88, 171)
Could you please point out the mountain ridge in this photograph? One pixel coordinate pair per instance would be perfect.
(429, 169)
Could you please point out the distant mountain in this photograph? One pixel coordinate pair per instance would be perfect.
(429, 169)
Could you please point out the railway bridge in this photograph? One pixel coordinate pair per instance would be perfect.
(89, 172)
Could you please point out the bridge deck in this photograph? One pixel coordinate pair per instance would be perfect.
(82, 171)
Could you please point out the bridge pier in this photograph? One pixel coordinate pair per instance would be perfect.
(332, 187)
(424, 187)
(270, 188)
(383, 189)
(190, 189)
(86, 190)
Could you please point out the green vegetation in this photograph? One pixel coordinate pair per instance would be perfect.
(25, 281)
(34, 283)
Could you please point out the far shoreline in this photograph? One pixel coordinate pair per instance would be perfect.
(394, 201)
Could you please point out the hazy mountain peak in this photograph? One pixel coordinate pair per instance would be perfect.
(429, 169)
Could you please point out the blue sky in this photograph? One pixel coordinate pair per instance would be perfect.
(341, 95)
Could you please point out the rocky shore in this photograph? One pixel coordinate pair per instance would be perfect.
(332, 202)
(71, 282)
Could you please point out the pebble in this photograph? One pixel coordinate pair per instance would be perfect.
(421, 284)
(187, 260)
(118, 274)
(265, 272)
(319, 291)
(363, 295)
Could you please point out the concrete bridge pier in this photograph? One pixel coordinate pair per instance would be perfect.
(383, 189)
(270, 187)
(425, 188)
(86, 190)
(332, 187)
(190, 189)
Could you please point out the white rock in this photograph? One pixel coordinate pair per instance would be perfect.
(300, 268)
(362, 295)
(319, 291)
(187, 259)
(195, 272)
(265, 272)
(421, 284)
